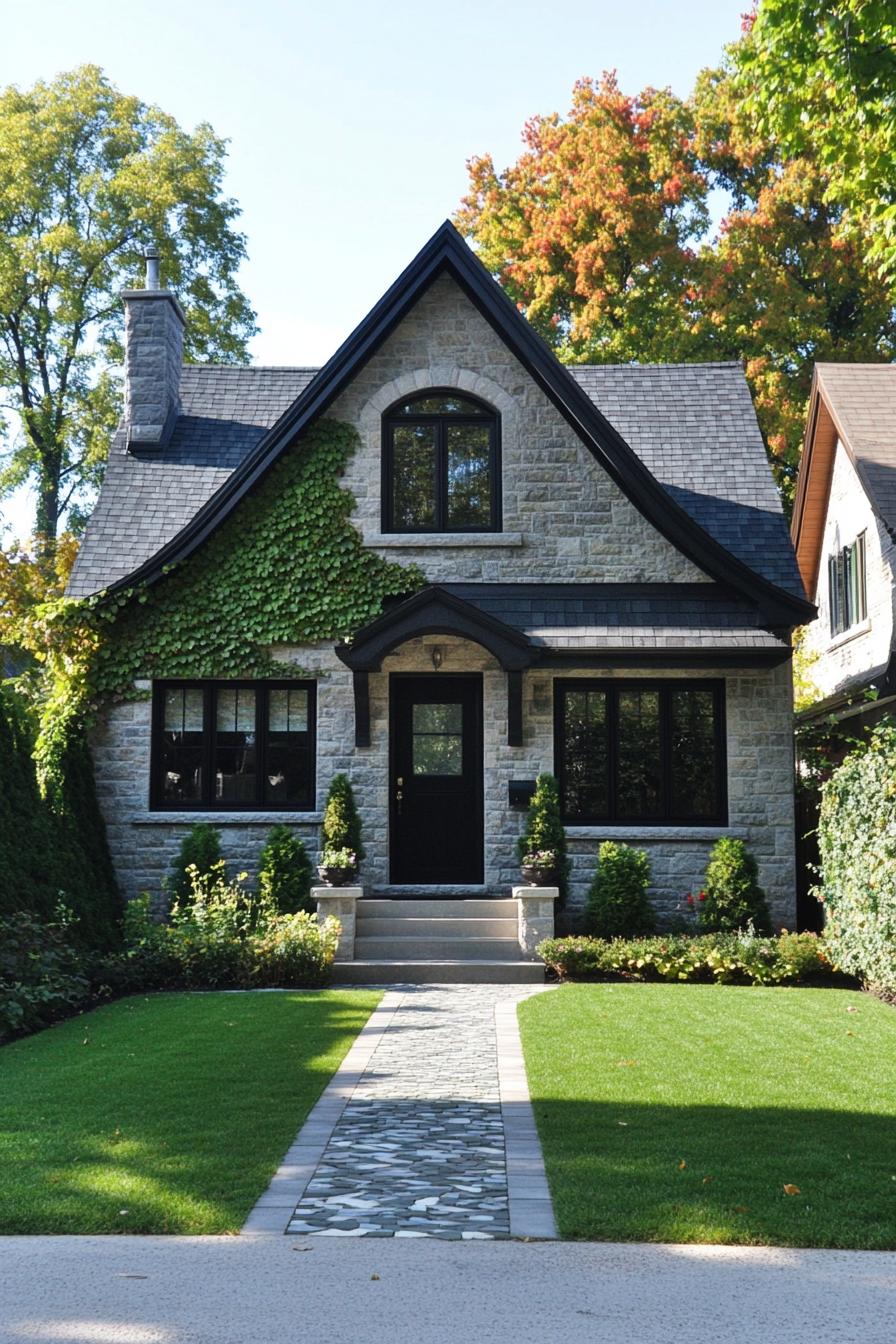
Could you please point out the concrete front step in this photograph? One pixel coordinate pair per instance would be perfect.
(475, 908)
(429, 947)
(374, 972)
(383, 926)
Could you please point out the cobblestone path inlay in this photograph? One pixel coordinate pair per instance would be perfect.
(419, 1149)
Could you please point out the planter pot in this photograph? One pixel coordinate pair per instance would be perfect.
(336, 877)
(539, 877)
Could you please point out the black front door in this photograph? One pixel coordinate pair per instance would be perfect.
(436, 780)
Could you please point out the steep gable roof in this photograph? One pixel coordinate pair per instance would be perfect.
(855, 404)
(447, 253)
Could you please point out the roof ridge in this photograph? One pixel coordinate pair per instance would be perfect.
(676, 364)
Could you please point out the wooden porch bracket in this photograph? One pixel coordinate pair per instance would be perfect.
(514, 709)
(361, 684)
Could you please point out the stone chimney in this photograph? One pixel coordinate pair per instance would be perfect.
(153, 352)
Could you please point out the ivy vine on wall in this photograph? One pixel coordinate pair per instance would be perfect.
(287, 567)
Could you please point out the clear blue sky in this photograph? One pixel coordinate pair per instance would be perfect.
(350, 122)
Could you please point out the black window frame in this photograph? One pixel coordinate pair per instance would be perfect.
(842, 565)
(441, 419)
(665, 687)
(209, 803)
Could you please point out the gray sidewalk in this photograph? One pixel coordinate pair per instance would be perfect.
(296, 1290)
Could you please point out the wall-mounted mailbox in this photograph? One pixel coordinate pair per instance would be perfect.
(520, 792)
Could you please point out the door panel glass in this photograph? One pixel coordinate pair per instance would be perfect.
(639, 766)
(469, 476)
(437, 746)
(414, 476)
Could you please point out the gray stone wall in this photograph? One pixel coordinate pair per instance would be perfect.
(153, 354)
(564, 520)
(759, 782)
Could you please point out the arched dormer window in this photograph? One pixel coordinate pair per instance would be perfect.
(441, 466)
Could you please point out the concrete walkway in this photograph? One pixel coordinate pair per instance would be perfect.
(302, 1290)
(425, 1131)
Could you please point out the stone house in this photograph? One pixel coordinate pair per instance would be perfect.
(610, 596)
(844, 525)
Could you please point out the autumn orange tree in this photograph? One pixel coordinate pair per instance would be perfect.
(600, 232)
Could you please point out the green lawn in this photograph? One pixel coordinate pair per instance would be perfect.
(163, 1114)
(680, 1113)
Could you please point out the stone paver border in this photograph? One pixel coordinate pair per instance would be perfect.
(528, 1194)
(529, 1201)
(274, 1209)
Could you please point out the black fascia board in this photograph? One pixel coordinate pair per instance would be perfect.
(653, 656)
(446, 251)
(435, 611)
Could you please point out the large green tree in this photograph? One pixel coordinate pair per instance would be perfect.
(89, 177)
(820, 76)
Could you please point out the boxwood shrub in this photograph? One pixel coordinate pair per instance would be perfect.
(720, 958)
(857, 847)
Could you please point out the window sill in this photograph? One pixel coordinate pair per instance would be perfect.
(416, 540)
(260, 818)
(854, 632)
(679, 833)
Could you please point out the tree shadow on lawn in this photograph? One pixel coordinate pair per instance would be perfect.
(623, 1171)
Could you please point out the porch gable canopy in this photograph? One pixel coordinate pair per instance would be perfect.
(434, 611)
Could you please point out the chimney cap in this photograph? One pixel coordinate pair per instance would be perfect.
(151, 255)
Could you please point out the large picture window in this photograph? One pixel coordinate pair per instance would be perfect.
(846, 581)
(441, 471)
(233, 745)
(650, 752)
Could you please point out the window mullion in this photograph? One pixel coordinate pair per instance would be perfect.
(612, 747)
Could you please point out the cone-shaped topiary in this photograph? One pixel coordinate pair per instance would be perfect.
(544, 830)
(341, 828)
(732, 897)
(284, 871)
(617, 904)
(200, 846)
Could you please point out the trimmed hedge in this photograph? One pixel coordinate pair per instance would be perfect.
(857, 848)
(713, 958)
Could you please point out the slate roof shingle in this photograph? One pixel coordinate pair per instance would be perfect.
(693, 426)
(620, 616)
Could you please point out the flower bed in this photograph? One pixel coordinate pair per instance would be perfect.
(715, 958)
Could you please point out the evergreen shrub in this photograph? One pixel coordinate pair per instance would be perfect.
(199, 849)
(732, 898)
(341, 827)
(617, 905)
(284, 871)
(544, 830)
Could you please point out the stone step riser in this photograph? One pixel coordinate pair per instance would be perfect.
(437, 909)
(438, 973)
(384, 926)
(436, 949)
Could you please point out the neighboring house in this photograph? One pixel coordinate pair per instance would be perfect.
(844, 524)
(611, 596)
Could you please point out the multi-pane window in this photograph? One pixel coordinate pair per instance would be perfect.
(846, 586)
(233, 745)
(440, 465)
(645, 752)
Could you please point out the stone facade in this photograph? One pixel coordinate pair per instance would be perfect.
(760, 790)
(864, 650)
(564, 520)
